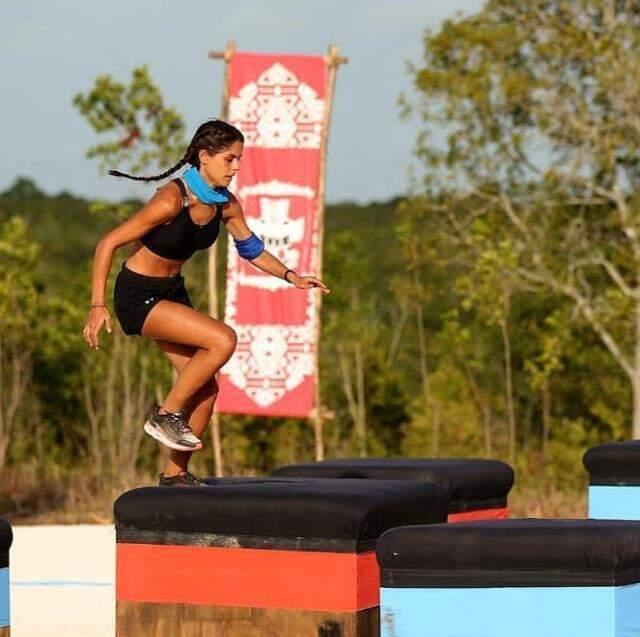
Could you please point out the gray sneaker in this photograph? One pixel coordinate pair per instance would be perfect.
(185, 479)
(172, 430)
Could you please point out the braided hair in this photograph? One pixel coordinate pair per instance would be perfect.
(214, 136)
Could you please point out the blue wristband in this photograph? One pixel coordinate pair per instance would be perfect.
(250, 248)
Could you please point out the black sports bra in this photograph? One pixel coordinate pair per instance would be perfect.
(179, 238)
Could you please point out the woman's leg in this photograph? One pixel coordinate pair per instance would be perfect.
(199, 408)
(213, 341)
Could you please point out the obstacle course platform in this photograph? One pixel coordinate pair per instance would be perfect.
(260, 557)
(614, 480)
(6, 538)
(513, 577)
(477, 488)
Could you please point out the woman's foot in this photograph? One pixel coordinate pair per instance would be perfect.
(183, 479)
(172, 430)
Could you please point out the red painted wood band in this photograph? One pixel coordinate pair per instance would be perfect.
(301, 580)
(479, 514)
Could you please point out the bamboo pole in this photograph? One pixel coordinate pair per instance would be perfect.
(319, 414)
(212, 278)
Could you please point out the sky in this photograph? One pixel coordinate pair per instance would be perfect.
(50, 51)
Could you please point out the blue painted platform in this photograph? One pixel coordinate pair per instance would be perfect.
(614, 502)
(593, 611)
(4, 598)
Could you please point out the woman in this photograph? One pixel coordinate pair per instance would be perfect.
(150, 298)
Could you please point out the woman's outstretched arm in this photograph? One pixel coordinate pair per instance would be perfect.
(237, 227)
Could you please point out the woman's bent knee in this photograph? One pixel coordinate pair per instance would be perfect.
(223, 339)
(231, 338)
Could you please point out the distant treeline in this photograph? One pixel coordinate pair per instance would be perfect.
(408, 367)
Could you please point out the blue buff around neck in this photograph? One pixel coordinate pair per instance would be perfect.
(202, 190)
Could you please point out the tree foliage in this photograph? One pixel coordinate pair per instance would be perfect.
(143, 131)
(538, 177)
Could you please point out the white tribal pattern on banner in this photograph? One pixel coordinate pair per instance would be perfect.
(278, 111)
(278, 104)
(271, 359)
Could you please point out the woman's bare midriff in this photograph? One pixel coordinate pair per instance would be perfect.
(143, 261)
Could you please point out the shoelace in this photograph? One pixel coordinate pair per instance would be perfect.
(178, 418)
(191, 478)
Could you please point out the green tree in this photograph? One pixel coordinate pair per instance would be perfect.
(465, 342)
(350, 328)
(539, 104)
(18, 317)
(145, 133)
(488, 288)
(414, 290)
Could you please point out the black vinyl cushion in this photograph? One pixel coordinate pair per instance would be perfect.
(6, 538)
(614, 463)
(350, 510)
(471, 483)
(527, 552)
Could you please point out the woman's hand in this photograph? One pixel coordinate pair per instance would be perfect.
(304, 282)
(98, 316)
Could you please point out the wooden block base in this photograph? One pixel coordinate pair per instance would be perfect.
(5, 631)
(137, 619)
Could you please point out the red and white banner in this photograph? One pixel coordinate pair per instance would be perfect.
(278, 102)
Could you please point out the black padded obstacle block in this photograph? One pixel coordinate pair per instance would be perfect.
(512, 553)
(616, 463)
(6, 538)
(313, 514)
(260, 556)
(471, 483)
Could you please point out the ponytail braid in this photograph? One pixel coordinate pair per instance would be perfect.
(214, 136)
(166, 173)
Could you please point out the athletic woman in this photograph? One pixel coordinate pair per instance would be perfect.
(150, 298)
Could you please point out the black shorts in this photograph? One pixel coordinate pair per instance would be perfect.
(135, 294)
